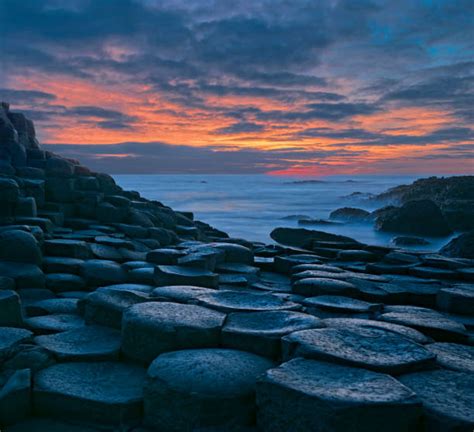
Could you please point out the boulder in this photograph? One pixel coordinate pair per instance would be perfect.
(192, 389)
(447, 398)
(421, 217)
(89, 343)
(101, 392)
(308, 395)
(460, 247)
(261, 332)
(376, 349)
(149, 329)
(19, 246)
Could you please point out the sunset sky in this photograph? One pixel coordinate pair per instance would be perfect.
(297, 87)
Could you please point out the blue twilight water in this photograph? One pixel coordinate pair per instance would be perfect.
(250, 206)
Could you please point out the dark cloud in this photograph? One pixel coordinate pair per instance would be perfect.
(242, 127)
(21, 97)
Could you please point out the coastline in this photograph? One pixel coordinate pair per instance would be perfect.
(113, 306)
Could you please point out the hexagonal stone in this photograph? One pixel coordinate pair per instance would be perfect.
(63, 282)
(46, 324)
(179, 275)
(88, 343)
(453, 356)
(11, 337)
(190, 389)
(327, 305)
(370, 348)
(105, 306)
(103, 272)
(447, 398)
(261, 332)
(67, 248)
(307, 395)
(427, 321)
(311, 287)
(241, 301)
(103, 392)
(10, 309)
(457, 299)
(407, 332)
(149, 329)
(180, 293)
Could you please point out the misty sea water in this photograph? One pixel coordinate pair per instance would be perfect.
(251, 206)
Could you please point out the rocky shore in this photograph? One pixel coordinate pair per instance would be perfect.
(118, 313)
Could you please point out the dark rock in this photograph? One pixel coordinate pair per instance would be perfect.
(325, 305)
(62, 282)
(25, 275)
(67, 248)
(285, 263)
(103, 272)
(46, 324)
(307, 395)
(350, 214)
(457, 299)
(10, 338)
(106, 392)
(62, 265)
(447, 399)
(179, 293)
(89, 343)
(52, 306)
(15, 402)
(19, 246)
(10, 309)
(421, 217)
(30, 357)
(190, 389)
(179, 275)
(311, 287)
(303, 238)
(409, 241)
(149, 329)
(234, 252)
(453, 356)
(164, 256)
(370, 348)
(460, 247)
(261, 332)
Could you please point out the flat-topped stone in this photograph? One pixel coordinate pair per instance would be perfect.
(54, 323)
(67, 248)
(103, 272)
(340, 305)
(164, 256)
(458, 299)
(62, 265)
(180, 293)
(428, 321)
(308, 395)
(447, 398)
(11, 337)
(241, 301)
(190, 389)
(53, 306)
(261, 332)
(311, 287)
(453, 356)
(149, 329)
(408, 332)
(19, 246)
(234, 252)
(370, 348)
(105, 306)
(104, 392)
(24, 275)
(104, 252)
(63, 282)
(285, 263)
(179, 275)
(88, 343)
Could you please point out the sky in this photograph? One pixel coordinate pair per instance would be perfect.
(286, 87)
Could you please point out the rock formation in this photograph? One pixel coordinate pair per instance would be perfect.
(119, 313)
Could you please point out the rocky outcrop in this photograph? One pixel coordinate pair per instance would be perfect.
(421, 217)
(119, 313)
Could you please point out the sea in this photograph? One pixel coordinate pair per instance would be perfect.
(251, 206)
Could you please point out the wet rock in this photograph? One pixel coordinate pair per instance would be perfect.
(348, 323)
(327, 305)
(350, 214)
(149, 329)
(427, 321)
(88, 343)
(308, 395)
(453, 356)
(422, 217)
(109, 392)
(447, 398)
(102, 273)
(10, 309)
(67, 248)
(311, 287)
(241, 301)
(370, 348)
(460, 247)
(15, 404)
(190, 389)
(19, 246)
(179, 275)
(261, 332)
(457, 299)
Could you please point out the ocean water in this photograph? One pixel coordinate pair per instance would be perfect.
(251, 206)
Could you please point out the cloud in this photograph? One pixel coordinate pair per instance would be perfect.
(242, 127)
